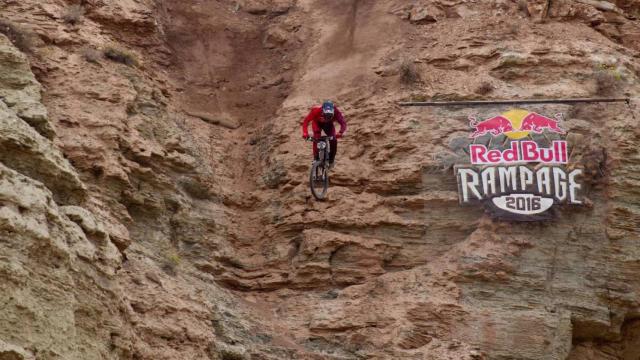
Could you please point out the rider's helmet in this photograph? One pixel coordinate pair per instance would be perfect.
(328, 109)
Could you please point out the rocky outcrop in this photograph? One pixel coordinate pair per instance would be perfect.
(22, 115)
(50, 271)
(24, 149)
(20, 90)
(58, 264)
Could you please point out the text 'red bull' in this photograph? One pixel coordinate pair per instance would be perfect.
(520, 151)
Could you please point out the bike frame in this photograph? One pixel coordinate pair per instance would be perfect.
(321, 166)
(323, 154)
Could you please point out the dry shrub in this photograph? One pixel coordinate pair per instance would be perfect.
(22, 38)
(513, 29)
(484, 88)
(607, 81)
(409, 73)
(418, 97)
(73, 15)
(227, 354)
(274, 176)
(170, 262)
(121, 56)
(91, 55)
(522, 6)
(195, 188)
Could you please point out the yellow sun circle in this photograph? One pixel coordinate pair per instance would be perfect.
(515, 117)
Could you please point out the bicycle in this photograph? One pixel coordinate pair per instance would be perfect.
(319, 174)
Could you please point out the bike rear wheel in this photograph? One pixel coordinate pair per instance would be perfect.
(318, 180)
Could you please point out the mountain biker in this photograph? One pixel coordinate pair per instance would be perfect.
(322, 118)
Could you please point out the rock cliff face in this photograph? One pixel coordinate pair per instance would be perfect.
(153, 196)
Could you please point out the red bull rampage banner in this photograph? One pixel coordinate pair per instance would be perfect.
(522, 174)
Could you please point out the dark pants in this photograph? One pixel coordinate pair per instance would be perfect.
(329, 130)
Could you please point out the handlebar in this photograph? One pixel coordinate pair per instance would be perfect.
(322, 138)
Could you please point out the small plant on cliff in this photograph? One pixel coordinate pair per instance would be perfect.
(608, 79)
(408, 73)
(484, 88)
(227, 354)
(196, 188)
(523, 6)
(513, 29)
(21, 37)
(418, 97)
(91, 55)
(274, 176)
(119, 55)
(170, 262)
(73, 14)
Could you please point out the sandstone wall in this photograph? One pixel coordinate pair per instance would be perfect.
(153, 188)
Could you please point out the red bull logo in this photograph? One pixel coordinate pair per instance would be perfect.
(518, 124)
(515, 124)
(495, 126)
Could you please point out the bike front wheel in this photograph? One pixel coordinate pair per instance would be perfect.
(319, 180)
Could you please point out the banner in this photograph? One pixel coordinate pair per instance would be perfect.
(523, 176)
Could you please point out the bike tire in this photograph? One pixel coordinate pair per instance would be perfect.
(321, 179)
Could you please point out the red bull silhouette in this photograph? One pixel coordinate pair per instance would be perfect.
(537, 123)
(495, 126)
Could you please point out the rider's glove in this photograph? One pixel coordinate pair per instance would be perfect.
(338, 136)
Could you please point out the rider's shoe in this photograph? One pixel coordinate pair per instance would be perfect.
(331, 164)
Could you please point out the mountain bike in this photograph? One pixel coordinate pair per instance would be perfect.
(319, 174)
